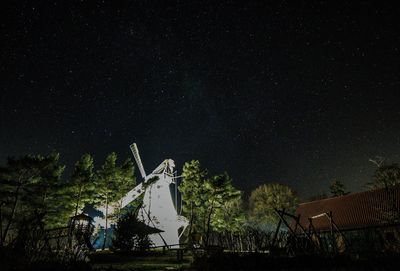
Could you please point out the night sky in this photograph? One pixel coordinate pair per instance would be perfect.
(270, 91)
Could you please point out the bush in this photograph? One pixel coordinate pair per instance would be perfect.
(131, 234)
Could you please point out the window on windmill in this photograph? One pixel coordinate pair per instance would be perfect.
(158, 186)
(138, 191)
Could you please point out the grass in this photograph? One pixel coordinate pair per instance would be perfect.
(154, 260)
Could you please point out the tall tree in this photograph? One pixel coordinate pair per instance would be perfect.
(230, 217)
(112, 183)
(52, 187)
(265, 198)
(126, 179)
(386, 176)
(193, 190)
(206, 201)
(28, 187)
(337, 188)
(219, 190)
(228, 212)
(82, 185)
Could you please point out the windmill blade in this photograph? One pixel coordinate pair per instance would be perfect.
(135, 152)
(132, 195)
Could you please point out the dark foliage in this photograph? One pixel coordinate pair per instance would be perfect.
(337, 189)
(36, 248)
(131, 234)
(386, 176)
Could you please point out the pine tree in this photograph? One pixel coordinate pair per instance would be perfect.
(265, 198)
(218, 191)
(28, 188)
(205, 199)
(337, 189)
(230, 216)
(56, 213)
(193, 190)
(386, 176)
(126, 180)
(113, 182)
(82, 185)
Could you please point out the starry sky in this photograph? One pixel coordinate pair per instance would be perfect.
(270, 91)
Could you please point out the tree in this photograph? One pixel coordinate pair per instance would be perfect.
(265, 198)
(218, 190)
(82, 185)
(126, 181)
(386, 176)
(28, 188)
(113, 182)
(207, 201)
(192, 189)
(56, 213)
(230, 216)
(132, 234)
(337, 189)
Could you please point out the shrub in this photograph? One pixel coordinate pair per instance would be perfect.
(132, 234)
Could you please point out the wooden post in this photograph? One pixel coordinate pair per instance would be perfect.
(179, 254)
(276, 233)
(333, 241)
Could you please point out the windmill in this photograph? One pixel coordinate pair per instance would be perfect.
(159, 209)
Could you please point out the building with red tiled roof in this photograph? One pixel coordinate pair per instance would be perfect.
(367, 219)
(354, 211)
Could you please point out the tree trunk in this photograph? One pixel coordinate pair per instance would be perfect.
(240, 242)
(105, 229)
(78, 201)
(191, 223)
(232, 242)
(209, 222)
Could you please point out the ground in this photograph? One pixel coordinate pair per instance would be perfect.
(155, 260)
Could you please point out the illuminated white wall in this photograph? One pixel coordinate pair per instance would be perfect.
(158, 208)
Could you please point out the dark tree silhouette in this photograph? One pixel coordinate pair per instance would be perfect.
(337, 189)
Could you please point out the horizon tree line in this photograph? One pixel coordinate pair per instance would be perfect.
(32, 189)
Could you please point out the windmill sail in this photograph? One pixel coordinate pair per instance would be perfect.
(135, 152)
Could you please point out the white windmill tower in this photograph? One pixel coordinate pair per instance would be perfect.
(158, 209)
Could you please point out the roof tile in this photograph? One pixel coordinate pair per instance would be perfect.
(358, 210)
